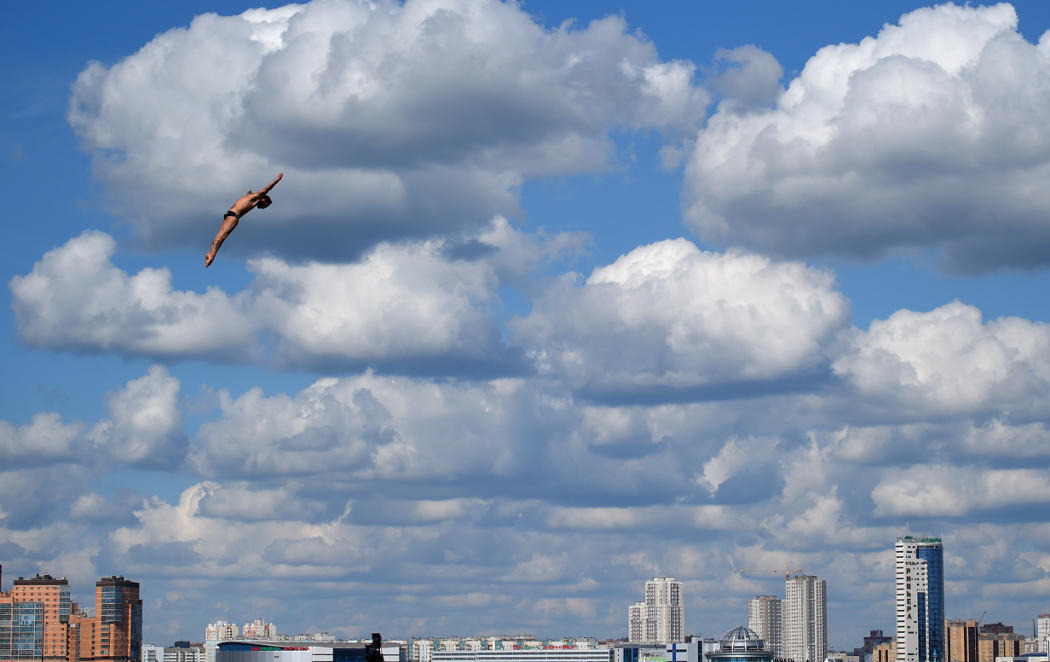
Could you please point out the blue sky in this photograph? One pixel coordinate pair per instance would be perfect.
(553, 297)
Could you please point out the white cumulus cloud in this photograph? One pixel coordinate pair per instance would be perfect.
(146, 424)
(44, 440)
(370, 427)
(389, 119)
(737, 455)
(76, 298)
(400, 303)
(670, 316)
(420, 306)
(751, 77)
(997, 439)
(943, 490)
(949, 361)
(932, 133)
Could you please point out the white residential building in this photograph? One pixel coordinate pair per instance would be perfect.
(221, 631)
(805, 619)
(259, 629)
(542, 654)
(765, 616)
(305, 636)
(1042, 633)
(192, 653)
(420, 649)
(636, 622)
(216, 632)
(426, 649)
(663, 618)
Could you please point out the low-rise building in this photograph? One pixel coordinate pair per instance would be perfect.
(885, 652)
(256, 650)
(691, 651)
(741, 645)
(1031, 657)
(998, 642)
(531, 651)
(177, 653)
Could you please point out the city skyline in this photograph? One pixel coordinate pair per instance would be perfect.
(552, 298)
(794, 628)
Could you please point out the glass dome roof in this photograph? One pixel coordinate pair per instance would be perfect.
(741, 639)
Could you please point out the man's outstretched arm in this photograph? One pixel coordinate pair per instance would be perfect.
(266, 189)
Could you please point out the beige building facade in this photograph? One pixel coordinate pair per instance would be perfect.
(765, 616)
(886, 652)
(805, 619)
(960, 640)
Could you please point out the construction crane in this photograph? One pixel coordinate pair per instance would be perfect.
(787, 571)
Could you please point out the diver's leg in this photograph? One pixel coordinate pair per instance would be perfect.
(229, 222)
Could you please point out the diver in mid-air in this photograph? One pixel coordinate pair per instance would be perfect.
(244, 204)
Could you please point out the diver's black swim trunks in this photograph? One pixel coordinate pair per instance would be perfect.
(232, 213)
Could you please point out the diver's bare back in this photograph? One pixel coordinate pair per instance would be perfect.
(244, 204)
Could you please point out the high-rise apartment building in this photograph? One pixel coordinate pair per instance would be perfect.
(114, 634)
(960, 640)
(221, 631)
(920, 599)
(1042, 632)
(662, 616)
(49, 615)
(665, 617)
(765, 615)
(21, 629)
(636, 622)
(805, 620)
(216, 632)
(39, 622)
(259, 629)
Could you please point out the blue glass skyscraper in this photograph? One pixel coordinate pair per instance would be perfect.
(920, 599)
